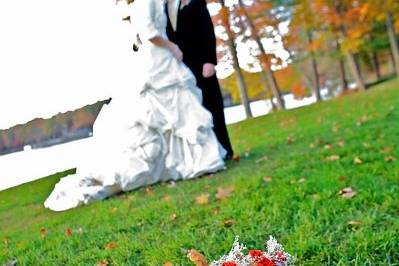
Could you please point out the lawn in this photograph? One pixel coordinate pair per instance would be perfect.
(286, 184)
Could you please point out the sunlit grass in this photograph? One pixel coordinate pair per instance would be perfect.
(300, 206)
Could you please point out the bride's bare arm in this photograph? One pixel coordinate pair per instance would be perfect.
(162, 42)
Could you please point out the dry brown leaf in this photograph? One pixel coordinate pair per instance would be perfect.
(290, 140)
(267, 179)
(264, 158)
(229, 222)
(347, 192)
(216, 211)
(333, 158)
(167, 198)
(43, 232)
(197, 258)
(357, 161)
(363, 119)
(68, 232)
(111, 245)
(168, 263)
(224, 192)
(149, 190)
(389, 158)
(342, 178)
(386, 149)
(341, 143)
(202, 199)
(5, 241)
(103, 263)
(236, 158)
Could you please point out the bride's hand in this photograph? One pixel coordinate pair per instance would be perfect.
(176, 51)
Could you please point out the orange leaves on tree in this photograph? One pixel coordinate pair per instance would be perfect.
(298, 91)
(224, 16)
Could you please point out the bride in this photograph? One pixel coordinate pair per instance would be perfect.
(165, 133)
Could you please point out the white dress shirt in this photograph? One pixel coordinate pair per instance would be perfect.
(173, 8)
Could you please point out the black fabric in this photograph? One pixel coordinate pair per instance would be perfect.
(195, 36)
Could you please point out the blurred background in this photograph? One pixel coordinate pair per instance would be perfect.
(61, 61)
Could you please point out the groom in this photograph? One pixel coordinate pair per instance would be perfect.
(190, 27)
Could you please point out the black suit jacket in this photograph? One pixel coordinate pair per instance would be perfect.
(194, 35)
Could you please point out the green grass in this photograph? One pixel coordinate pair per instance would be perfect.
(309, 218)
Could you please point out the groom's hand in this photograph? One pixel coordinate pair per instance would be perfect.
(208, 70)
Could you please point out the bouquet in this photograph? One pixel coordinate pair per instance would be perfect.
(273, 256)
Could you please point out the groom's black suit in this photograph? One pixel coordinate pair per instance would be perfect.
(195, 37)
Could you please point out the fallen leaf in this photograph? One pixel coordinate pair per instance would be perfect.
(111, 245)
(197, 258)
(202, 199)
(68, 232)
(290, 140)
(302, 180)
(328, 146)
(354, 223)
(389, 158)
(236, 158)
(216, 211)
(167, 198)
(168, 263)
(342, 178)
(267, 179)
(79, 231)
(341, 143)
(149, 190)
(114, 209)
(316, 196)
(366, 145)
(357, 160)
(173, 216)
(347, 192)
(264, 158)
(363, 119)
(386, 149)
(335, 128)
(224, 192)
(43, 232)
(333, 158)
(228, 222)
(102, 263)
(5, 241)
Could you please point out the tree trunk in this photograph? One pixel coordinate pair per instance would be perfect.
(269, 73)
(316, 77)
(393, 41)
(353, 66)
(267, 89)
(376, 64)
(236, 65)
(341, 65)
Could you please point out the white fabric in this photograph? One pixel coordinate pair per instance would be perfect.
(173, 7)
(162, 134)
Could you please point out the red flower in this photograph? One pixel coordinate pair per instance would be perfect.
(229, 263)
(265, 262)
(280, 255)
(255, 253)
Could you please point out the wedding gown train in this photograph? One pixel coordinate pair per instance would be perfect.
(162, 134)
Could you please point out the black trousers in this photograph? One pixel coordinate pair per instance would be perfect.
(213, 101)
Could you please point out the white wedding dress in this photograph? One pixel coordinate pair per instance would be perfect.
(164, 133)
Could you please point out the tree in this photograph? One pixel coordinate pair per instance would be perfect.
(225, 19)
